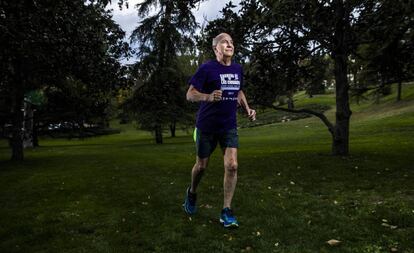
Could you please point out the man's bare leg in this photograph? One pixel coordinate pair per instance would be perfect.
(197, 173)
(230, 175)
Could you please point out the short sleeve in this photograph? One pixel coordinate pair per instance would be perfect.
(241, 78)
(199, 78)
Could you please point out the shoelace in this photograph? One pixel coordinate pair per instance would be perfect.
(229, 213)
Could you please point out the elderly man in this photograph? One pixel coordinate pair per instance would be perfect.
(217, 85)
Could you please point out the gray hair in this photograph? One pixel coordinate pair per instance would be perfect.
(217, 39)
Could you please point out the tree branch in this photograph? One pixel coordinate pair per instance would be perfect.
(321, 116)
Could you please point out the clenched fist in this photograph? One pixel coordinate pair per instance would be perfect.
(215, 96)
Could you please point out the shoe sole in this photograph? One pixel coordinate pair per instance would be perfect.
(232, 225)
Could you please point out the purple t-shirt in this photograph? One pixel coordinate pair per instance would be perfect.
(217, 117)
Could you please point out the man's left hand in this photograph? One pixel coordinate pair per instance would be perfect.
(252, 114)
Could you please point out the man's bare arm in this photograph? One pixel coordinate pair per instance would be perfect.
(241, 99)
(194, 95)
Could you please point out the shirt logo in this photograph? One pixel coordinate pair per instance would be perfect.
(230, 82)
(230, 85)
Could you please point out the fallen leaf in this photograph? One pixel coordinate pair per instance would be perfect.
(333, 242)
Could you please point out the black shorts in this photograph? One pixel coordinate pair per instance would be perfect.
(206, 143)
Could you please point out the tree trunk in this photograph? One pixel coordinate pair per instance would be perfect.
(340, 144)
(18, 119)
(158, 134)
(172, 128)
(35, 136)
(291, 104)
(166, 22)
(81, 124)
(399, 91)
(35, 132)
(28, 126)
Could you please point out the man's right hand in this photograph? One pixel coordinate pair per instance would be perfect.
(215, 96)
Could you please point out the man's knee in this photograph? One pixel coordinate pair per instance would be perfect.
(231, 166)
(200, 165)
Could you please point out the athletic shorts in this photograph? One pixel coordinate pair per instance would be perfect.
(206, 143)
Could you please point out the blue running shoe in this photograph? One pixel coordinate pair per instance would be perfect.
(190, 202)
(227, 218)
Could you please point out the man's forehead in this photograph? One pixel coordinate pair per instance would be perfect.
(223, 36)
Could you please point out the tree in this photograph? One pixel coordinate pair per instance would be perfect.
(387, 57)
(44, 42)
(334, 27)
(158, 98)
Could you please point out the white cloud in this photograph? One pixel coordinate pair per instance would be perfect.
(211, 9)
(128, 18)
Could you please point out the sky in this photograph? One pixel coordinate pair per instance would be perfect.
(128, 18)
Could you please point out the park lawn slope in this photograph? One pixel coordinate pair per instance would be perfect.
(123, 193)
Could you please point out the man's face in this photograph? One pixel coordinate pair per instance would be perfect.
(225, 47)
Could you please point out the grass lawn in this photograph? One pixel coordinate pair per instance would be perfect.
(123, 193)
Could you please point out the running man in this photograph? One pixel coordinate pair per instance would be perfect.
(217, 85)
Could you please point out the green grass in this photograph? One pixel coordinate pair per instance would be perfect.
(123, 193)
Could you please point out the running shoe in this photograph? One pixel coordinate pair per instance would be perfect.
(227, 218)
(190, 202)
